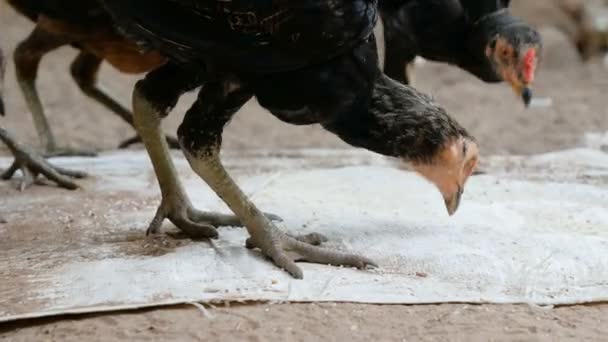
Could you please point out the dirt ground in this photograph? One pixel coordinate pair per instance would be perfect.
(490, 112)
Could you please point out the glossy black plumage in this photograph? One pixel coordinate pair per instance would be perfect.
(330, 76)
(248, 35)
(316, 62)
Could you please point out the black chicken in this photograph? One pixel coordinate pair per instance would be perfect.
(30, 164)
(85, 25)
(479, 36)
(303, 73)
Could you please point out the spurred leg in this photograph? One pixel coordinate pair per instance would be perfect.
(85, 69)
(27, 60)
(200, 137)
(32, 165)
(153, 98)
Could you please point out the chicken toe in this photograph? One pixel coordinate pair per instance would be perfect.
(314, 239)
(33, 165)
(192, 222)
(285, 250)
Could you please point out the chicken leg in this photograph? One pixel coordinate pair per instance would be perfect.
(27, 60)
(32, 165)
(200, 138)
(29, 163)
(175, 205)
(84, 70)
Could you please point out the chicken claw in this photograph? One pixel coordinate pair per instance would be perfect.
(280, 247)
(33, 165)
(194, 223)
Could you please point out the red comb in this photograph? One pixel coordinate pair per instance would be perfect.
(529, 65)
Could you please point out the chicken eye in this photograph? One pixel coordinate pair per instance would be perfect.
(493, 44)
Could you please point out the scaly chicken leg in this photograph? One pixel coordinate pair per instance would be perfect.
(175, 205)
(29, 163)
(200, 138)
(27, 60)
(84, 70)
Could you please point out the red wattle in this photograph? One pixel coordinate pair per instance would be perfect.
(529, 65)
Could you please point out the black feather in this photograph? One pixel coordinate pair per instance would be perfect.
(263, 36)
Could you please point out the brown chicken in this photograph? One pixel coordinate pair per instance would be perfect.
(84, 25)
(31, 164)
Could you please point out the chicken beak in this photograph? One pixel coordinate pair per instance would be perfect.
(452, 202)
(450, 169)
(526, 96)
(524, 92)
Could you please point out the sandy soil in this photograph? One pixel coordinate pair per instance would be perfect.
(490, 112)
(326, 322)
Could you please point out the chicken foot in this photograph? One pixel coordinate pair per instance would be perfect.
(200, 138)
(32, 165)
(175, 204)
